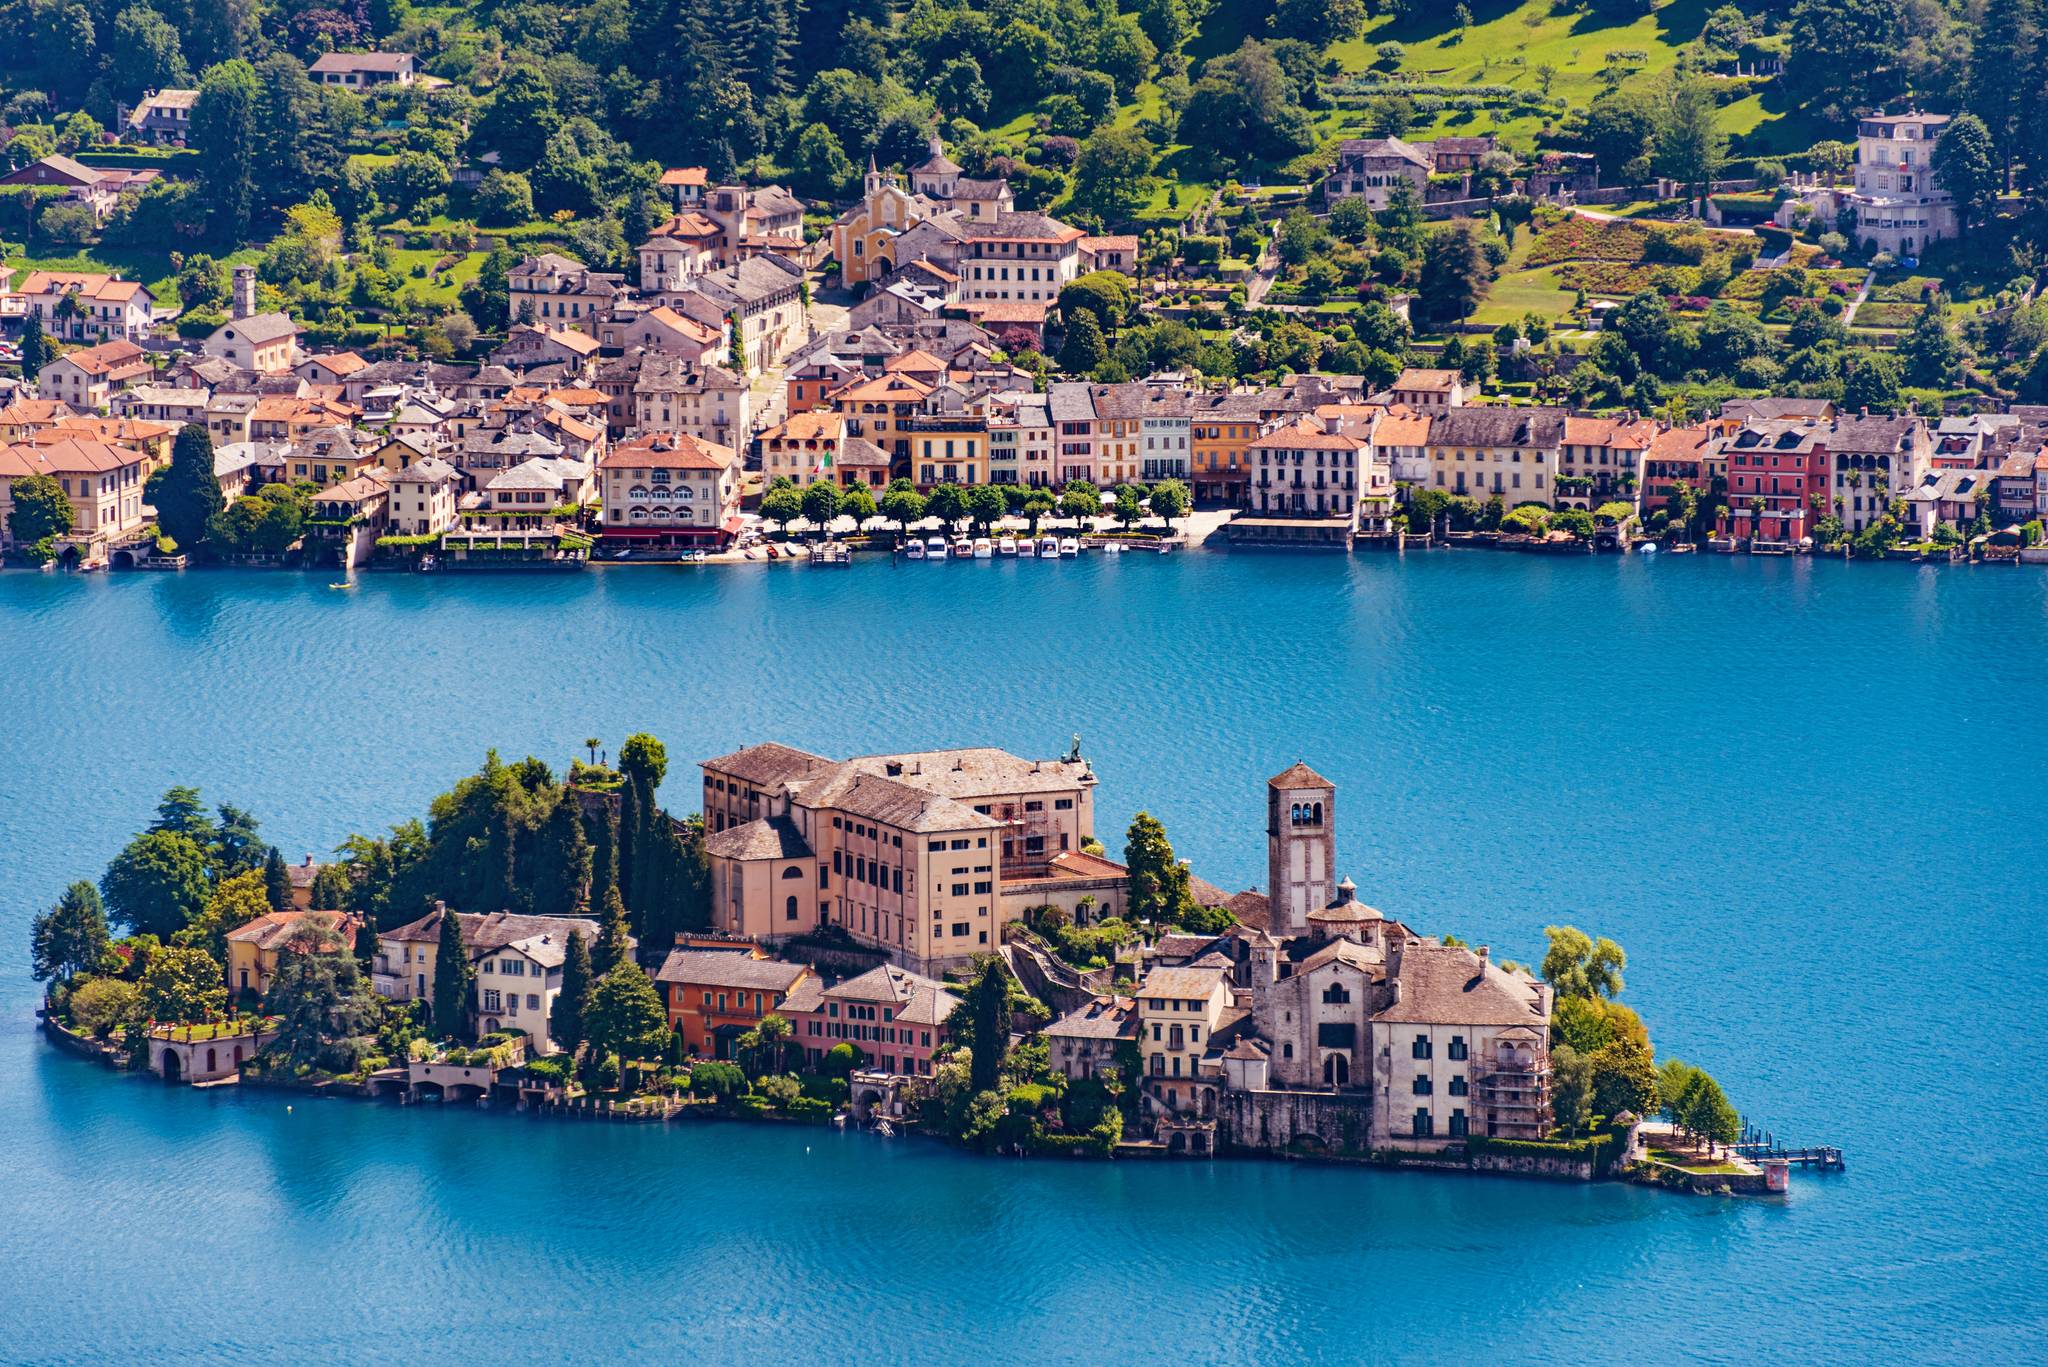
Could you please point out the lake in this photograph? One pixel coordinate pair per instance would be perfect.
(1810, 799)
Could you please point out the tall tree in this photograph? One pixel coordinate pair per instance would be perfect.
(1576, 965)
(277, 880)
(234, 903)
(35, 350)
(225, 132)
(2005, 48)
(318, 994)
(613, 937)
(1113, 176)
(454, 976)
(625, 1016)
(1965, 164)
(158, 882)
(71, 937)
(981, 1022)
(189, 497)
(1455, 273)
(1689, 145)
(604, 853)
(566, 1023)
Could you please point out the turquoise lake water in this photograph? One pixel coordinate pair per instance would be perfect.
(1811, 800)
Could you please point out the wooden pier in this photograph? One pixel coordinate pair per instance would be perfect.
(1759, 1146)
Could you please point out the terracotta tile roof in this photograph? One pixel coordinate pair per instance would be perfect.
(109, 358)
(662, 451)
(1306, 434)
(684, 175)
(273, 930)
(1183, 983)
(1105, 1018)
(1297, 775)
(818, 426)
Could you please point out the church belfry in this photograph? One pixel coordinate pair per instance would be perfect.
(1301, 848)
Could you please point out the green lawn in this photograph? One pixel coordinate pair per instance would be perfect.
(1508, 45)
(441, 290)
(1695, 1162)
(152, 268)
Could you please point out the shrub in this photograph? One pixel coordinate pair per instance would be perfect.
(99, 1004)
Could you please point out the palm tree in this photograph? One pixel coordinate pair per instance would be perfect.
(590, 743)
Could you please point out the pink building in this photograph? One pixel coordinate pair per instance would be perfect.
(896, 1018)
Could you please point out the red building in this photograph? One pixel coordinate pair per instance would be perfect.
(1777, 481)
(896, 1018)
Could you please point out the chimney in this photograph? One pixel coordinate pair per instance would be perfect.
(244, 292)
(1481, 952)
(309, 859)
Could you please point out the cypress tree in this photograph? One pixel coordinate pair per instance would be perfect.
(611, 936)
(453, 976)
(190, 495)
(566, 1025)
(35, 348)
(628, 839)
(277, 882)
(604, 855)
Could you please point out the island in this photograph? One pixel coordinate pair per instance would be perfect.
(930, 942)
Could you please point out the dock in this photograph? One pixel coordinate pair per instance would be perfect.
(1758, 1145)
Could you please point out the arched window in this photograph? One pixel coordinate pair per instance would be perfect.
(1286, 1050)
(211, 1064)
(789, 910)
(1336, 994)
(792, 872)
(1318, 819)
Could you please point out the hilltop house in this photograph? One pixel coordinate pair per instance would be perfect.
(363, 70)
(1370, 168)
(162, 117)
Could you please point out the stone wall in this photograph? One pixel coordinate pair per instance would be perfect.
(1306, 1122)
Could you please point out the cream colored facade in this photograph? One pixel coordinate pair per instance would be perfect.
(907, 853)
(1179, 1010)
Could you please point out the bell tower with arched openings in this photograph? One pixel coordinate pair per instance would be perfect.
(1301, 848)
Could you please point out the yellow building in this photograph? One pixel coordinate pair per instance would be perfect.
(864, 237)
(1179, 1011)
(948, 448)
(253, 949)
(879, 409)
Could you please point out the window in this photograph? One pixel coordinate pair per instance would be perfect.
(1423, 1087)
(1460, 1126)
(1336, 994)
(1459, 1086)
(1424, 1125)
(1457, 1050)
(1421, 1047)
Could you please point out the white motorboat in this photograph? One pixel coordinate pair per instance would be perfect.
(1049, 549)
(1007, 546)
(1112, 548)
(1647, 548)
(984, 549)
(1070, 546)
(963, 549)
(1026, 547)
(935, 548)
(914, 551)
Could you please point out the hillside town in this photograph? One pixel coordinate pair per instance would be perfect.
(933, 941)
(1815, 357)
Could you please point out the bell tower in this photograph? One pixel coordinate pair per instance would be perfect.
(1301, 848)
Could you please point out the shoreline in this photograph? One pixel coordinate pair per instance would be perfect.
(1621, 1171)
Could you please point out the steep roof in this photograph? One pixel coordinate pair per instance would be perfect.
(768, 763)
(1298, 775)
(724, 968)
(1431, 983)
(494, 930)
(774, 837)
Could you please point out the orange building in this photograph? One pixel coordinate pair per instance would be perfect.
(717, 995)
